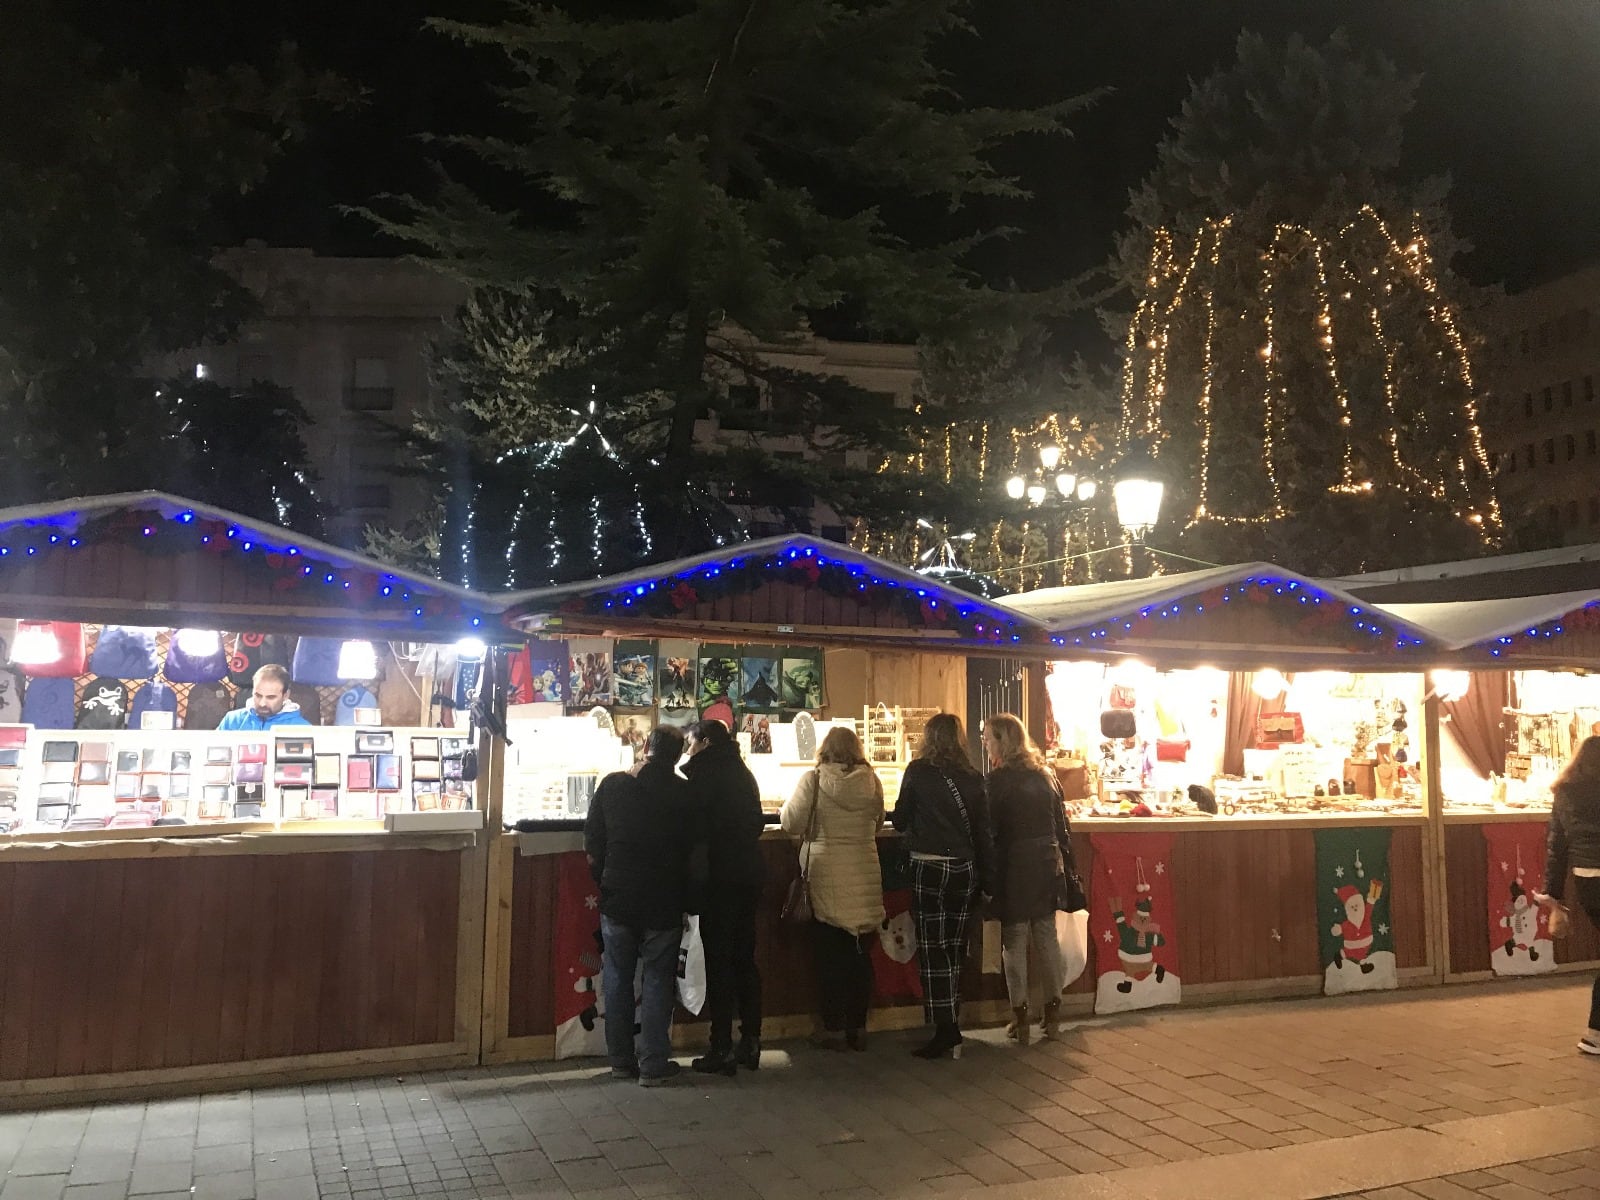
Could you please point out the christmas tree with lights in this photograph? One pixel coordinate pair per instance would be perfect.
(1296, 358)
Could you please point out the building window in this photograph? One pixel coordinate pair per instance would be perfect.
(1528, 454)
(1572, 512)
(1588, 389)
(1566, 394)
(1511, 464)
(1572, 447)
(1588, 442)
(1522, 342)
(1594, 510)
(1549, 400)
(1494, 461)
(370, 389)
(1527, 404)
(1549, 451)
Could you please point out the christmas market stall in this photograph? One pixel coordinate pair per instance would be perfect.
(1514, 708)
(781, 639)
(1248, 754)
(208, 879)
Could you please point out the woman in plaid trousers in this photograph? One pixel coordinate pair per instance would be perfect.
(943, 816)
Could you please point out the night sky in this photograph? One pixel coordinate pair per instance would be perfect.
(1508, 107)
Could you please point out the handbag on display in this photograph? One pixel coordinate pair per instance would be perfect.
(104, 705)
(316, 662)
(72, 659)
(1122, 696)
(250, 651)
(1118, 723)
(1172, 749)
(153, 697)
(195, 656)
(124, 652)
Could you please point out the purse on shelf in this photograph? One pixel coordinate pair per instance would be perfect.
(797, 904)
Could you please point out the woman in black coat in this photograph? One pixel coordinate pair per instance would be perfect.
(1032, 843)
(1574, 840)
(943, 817)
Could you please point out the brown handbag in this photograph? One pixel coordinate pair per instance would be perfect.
(797, 904)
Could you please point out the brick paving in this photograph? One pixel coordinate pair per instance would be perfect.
(1140, 1098)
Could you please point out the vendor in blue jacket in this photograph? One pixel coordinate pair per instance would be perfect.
(269, 707)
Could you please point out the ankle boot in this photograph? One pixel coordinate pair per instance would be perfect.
(1020, 1015)
(946, 1040)
(1049, 1023)
(748, 1053)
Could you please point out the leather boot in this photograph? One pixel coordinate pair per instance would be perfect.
(1049, 1023)
(1021, 1017)
(748, 1053)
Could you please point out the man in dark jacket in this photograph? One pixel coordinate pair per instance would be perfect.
(727, 804)
(638, 842)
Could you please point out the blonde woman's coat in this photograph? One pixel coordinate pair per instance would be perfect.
(842, 852)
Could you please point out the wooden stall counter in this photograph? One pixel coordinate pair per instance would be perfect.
(212, 958)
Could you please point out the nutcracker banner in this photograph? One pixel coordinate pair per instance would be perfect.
(575, 958)
(1354, 934)
(1133, 922)
(1519, 930)
(896, 973)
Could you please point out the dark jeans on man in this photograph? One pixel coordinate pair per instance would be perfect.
(623, 948)
(844, 977)
(1589, 901)
(728, 930)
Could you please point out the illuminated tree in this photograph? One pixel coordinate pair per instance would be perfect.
(1296, 356)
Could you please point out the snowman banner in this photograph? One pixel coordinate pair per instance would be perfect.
(575, 949)
(896, 974)
(1519, 936)
(1355, 934)
(1132, 922)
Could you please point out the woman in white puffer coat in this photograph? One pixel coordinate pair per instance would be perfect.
(836, 811)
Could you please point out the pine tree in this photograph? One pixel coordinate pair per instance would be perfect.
(1297, 357)
(693, 182)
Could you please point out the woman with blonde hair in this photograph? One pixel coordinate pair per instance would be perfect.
(1033, 848)
(942, 814)
(836, 811)
(1573, 841)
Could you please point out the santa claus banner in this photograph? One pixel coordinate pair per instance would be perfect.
(575, 949)
(1132, 922)
(1355, 933)
(1519, 935)
(896, 977)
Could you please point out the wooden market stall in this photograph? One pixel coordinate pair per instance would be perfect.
(186, 908)
(869, 640)
(1521, 698)
(1280, 705)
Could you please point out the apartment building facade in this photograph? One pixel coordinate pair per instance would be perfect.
(1542, 421)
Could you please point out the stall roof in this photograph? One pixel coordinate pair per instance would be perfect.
(1531, 573)
(1306, 618)
(807, 582)
(1491, 624)
(156, 552)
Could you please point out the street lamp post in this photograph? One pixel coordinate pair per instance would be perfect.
(1055, 492)
(1137, 490)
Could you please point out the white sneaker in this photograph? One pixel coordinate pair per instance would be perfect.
(1589, 1043)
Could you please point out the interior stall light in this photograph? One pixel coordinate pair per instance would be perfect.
(1452, 685)
(199, 643)
(358, 660)
(1131, 672)
(1269, 684)
(35, 644)
(471, 649)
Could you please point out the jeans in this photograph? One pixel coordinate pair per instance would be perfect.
(728, 930)
(1589, 901)
(844, 977)
(623, 947)
(1014, 939)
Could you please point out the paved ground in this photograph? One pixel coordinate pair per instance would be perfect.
(1445, 1094)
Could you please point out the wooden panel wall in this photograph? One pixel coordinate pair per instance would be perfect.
(779, 602)
(1408, 901)
(125, 965)
(912, 679)
(1466, 889)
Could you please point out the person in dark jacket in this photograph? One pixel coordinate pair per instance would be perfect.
(1573, 841)
(1032, 846)
(637, 837)
(727, 806)
(942, 814)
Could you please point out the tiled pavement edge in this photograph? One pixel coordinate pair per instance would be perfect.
(1296, 1099)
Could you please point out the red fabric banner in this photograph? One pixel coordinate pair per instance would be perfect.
(896, 976)
(575, 959)
(1132, 922)
(1519, 933)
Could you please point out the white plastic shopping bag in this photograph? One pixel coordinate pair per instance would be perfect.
(1072, 932)
(691, 966)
